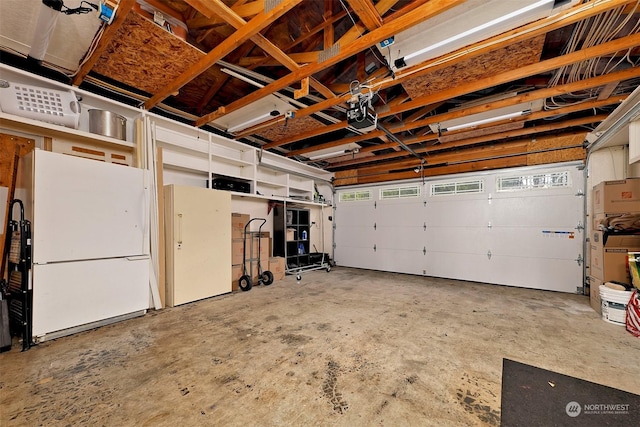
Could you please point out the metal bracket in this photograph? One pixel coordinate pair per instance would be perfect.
(424, 203)
(375, 205)
(424, 226)
(579, 260)
(580, 193)
(375, 226)
(424, 250)
(489, 254)
(374, 248)
(580, 226)
(489, 226)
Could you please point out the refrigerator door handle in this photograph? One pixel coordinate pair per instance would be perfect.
(179, 229)
(137, 257)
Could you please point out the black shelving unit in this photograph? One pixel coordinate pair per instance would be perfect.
(292, 227)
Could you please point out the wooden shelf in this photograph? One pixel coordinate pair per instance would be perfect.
(57, 130)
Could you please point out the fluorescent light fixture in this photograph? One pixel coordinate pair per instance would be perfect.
(253, 121)
(327, 155)
(488, 120)
(498, 18)
(333, 151)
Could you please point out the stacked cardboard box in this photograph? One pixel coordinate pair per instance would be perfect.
(609, 251)
(254, 241)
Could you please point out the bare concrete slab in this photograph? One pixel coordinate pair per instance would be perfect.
(345, 348)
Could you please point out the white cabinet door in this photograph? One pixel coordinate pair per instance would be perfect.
(198, 225)
(71, 294)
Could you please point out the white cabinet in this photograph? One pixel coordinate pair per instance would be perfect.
(198, 239)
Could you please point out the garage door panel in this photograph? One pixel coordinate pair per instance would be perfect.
(472, 267)
(407, 211)
(536, 243)
(401, 236)
(457, 212)
(401, 260)
(356, 256)
(466, 240)
(537, 273)
(562, 211)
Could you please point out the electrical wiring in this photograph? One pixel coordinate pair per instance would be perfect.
(587, 33)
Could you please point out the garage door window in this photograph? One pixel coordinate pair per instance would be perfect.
(399, 192)
(458, 187)
(355, 196)
(534, 181)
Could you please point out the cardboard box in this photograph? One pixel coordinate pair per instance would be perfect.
(237, 245)
(238, 221)
(608, 261)
(617, 196)
(594, 293)
(291, 234)
(276, 266)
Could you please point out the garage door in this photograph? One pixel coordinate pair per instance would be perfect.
(519, 227)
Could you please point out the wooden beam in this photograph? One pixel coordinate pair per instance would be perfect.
(304, 89)
(121, 13)
(622, 43)
(508, 76)
(527, 97)
(305, 135)
(367, 13)
(351, 35)
(542, 26)
(243, 34)
(428, 10)
(336, 143)
(607, 90)
(484, 138)
(328, 36)
(212, 17)
(230, 16)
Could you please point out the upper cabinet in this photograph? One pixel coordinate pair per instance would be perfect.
(102, 129)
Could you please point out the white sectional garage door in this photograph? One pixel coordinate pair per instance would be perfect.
(519, 227)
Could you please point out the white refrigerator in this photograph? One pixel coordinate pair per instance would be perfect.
(90, 242)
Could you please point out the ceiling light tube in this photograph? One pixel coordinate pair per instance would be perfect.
(253, 121)
(488, 120)
(402, 62)
(327, 155)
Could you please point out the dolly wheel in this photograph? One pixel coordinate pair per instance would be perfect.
(245, 283)
(298, 277)
(267, 278)
(328, 268)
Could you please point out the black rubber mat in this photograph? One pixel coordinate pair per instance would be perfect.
(533, 396)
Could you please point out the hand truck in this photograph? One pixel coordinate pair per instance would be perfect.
(265, 277)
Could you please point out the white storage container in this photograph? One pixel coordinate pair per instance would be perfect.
(33, 102)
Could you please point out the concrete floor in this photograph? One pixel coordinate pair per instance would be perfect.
(346, 348)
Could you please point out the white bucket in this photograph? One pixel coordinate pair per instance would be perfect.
(614, 305)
